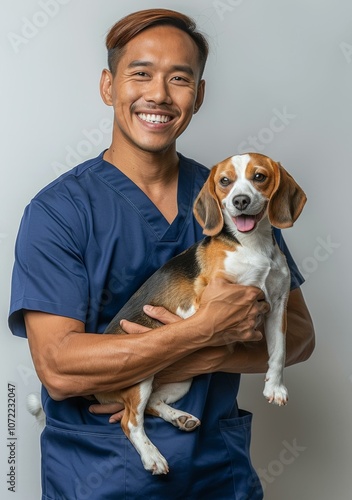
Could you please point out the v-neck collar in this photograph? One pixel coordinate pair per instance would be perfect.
(140, 202)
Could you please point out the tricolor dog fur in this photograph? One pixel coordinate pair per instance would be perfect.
(244, 196)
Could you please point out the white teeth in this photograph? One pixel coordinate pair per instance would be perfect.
(154, 118)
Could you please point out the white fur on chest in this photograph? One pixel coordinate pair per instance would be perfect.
(270, 273)
(183, 313)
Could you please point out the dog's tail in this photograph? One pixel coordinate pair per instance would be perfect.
(34, 406)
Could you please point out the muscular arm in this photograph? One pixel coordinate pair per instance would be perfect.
(71, 362)
(244, 357)
(238, 357)
(300, 341)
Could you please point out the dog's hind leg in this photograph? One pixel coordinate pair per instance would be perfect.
(166, 394)
(135, 399)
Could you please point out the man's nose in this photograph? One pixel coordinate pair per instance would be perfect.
(158, 91)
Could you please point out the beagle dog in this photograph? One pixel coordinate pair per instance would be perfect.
(244, 196)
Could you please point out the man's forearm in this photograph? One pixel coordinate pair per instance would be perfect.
(239, 357)
(249, 357)
(71, 362)
(300, 341)
(78, 363)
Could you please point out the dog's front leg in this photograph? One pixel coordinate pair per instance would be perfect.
(275, 333)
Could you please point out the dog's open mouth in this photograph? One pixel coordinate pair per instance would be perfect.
(246, 223)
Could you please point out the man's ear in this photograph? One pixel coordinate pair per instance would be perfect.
(106, 86)
(200, 96)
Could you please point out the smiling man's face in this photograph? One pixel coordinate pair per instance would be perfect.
(155, 90)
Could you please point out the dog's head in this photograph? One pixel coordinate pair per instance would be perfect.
(245, 189)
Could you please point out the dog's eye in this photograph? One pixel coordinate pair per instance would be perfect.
(225, 181)
(259, 177)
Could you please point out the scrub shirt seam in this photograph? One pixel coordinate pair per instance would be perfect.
(296, 277)
(27, 270)
(58, 308)
(235, 403)
(48, 208)
(248, 460)
(101, 178)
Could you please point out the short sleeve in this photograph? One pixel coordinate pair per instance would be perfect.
(49, 273)
(296, 277)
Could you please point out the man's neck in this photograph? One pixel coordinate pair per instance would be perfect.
(156, 174)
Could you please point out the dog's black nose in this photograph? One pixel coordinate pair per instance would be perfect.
(241, 201)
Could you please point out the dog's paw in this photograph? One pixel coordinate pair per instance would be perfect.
(276, 394)
(186, 422)
(155, 462)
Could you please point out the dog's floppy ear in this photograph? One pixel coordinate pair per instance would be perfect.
(207, 209)
(287, 200)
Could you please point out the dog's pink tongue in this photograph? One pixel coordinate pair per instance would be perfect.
(245, 223)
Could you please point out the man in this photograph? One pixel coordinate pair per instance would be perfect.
(86, 243)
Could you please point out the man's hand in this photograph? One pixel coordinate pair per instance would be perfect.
(116, 409)
(235, 310)
(232, 311)
(159, 313)
(156, 312)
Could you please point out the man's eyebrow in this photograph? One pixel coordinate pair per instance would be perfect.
(135, 64)
(184, 68)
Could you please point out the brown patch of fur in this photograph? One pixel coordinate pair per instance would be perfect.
(212, 258)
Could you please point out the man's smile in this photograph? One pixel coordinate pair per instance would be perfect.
(154, 118)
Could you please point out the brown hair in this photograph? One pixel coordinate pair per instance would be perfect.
(130, 26)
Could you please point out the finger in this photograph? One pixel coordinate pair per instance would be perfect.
(116, 417)
(161, 314)
(130, 327)
(251, 335)
(259, 321)
(263, 307)
(98, 409)
(256, 336)
(258, 293)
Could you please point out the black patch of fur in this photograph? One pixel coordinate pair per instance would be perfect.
(159, 290)
(228, 237)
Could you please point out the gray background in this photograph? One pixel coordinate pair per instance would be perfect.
(268, 59)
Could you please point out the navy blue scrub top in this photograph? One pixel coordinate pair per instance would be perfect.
(86, 242)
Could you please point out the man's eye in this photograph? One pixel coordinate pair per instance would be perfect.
(259, 177)
(225, 181)
(179, 79)
(142, 74)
